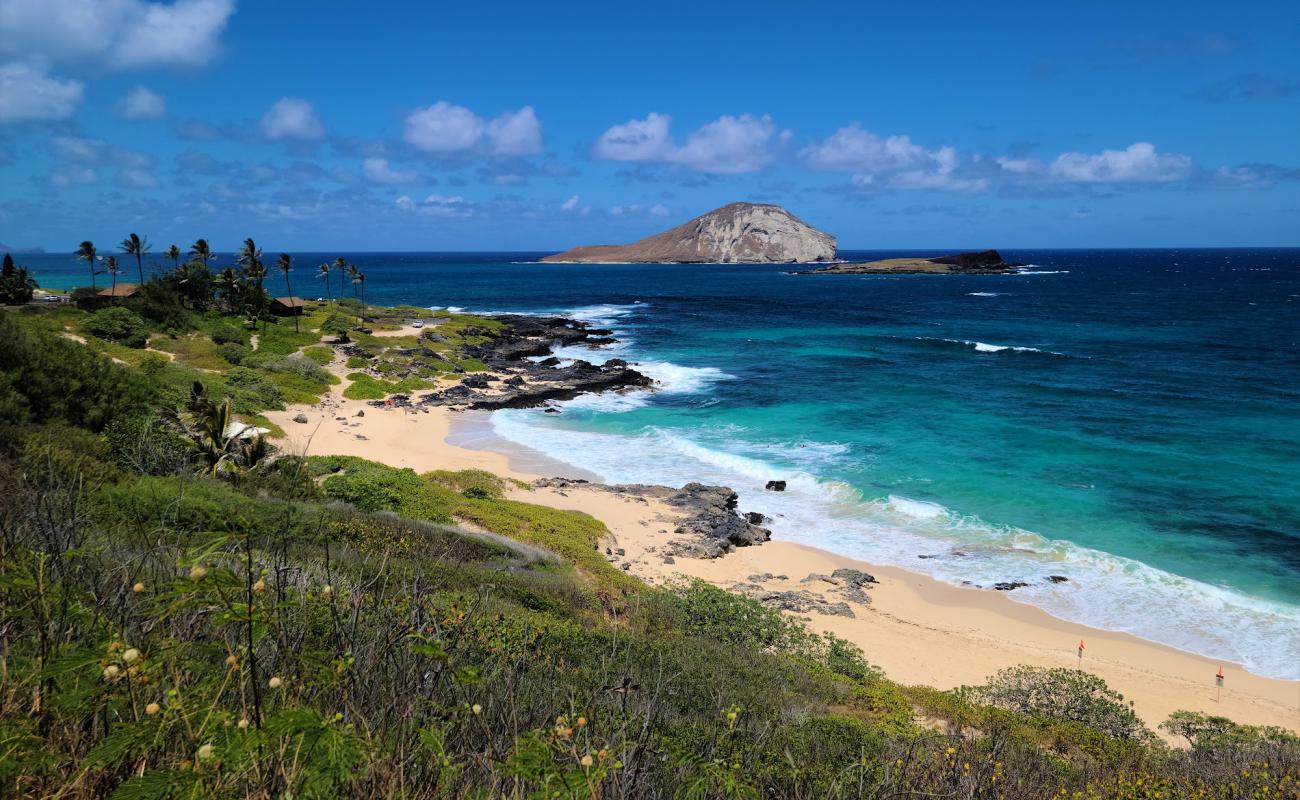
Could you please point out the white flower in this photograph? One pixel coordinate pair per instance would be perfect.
(131, 655)
(205, 752)
(275, 682)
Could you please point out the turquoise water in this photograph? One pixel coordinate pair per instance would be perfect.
(1128, 419)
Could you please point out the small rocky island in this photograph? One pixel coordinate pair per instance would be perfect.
(984, 262)
(736, 233)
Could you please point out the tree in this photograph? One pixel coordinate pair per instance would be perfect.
(210, 430)
(341, 265)
(174, 253)
(323, 273)
(1063, 694)
(133, 245)
(352, 277)
(360, 282)
(110, 266)
(230, 286)
(200, 251)
(87, 253)
(250, 258)
(284, 264)
(16, 286)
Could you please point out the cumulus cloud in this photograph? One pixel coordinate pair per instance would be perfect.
(1137, 163)
(117, 34)
(726, 146)
(80, 160)
(892, 161)
(377, 170)
(142, 103)
(30, 93)
(436, 205)
(444, 128)
(570, 204)
(291, 118)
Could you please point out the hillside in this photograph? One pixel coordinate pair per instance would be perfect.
(739, 232)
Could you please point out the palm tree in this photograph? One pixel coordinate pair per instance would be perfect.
(87, 253)
(323, 273)
(250, 258)
(353, 272)
(110, 266)
(229, 283)
(360, 281)
(200, 251)
(211, 433)
(133, 245)
(341, 265)
(174, 253)
(284, 264)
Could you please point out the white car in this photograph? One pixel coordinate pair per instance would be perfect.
(419, 323)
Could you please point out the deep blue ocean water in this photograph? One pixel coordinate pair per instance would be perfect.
(1127, 418)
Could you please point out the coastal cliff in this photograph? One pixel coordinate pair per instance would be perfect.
(735, 233)
(984, 262)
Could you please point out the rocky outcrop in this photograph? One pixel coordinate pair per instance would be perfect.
(984, 262)
(735, 233)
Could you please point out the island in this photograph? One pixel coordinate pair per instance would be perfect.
(735, 233)
(984, 262)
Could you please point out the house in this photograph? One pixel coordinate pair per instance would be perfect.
(287, 306)
(106, 297)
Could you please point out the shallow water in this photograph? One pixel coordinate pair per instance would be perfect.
(1126, 418)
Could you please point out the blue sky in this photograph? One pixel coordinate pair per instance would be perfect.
(478, 126)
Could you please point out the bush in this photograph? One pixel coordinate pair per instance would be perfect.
(229, 332)
(357, 362)
(234, 352)
(1061, 694)
(117, 324)
(252, 391)
(320, 355)
(141, 444)
(153, 363)
(158, 302)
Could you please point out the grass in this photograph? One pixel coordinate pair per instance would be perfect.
(195, 350)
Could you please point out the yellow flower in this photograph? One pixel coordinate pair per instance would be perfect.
(582, 722)
(477, 709)
(328, 590)
(111, 671)
(259, 585)
(131, 655)
(138, 587)
(204, 753)
(275, 682)
(231, 660)
(243, 723)
(585, 761)
(197, 573)
(152, 708)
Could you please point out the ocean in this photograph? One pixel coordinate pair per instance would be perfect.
(1128, 419)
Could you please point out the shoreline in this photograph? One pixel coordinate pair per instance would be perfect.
(917, 629)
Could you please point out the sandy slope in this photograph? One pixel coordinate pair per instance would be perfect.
(916, 629)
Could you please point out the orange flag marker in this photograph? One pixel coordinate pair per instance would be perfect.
(1080, 650)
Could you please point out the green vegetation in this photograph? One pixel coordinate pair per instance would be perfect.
(117, 324)
(16, 285)
(185, 612)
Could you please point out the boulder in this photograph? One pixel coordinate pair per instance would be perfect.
(775, 486)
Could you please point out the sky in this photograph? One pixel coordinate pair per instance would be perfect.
(535, 126)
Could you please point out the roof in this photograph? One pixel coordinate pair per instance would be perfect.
(289, 302)
(120, 290)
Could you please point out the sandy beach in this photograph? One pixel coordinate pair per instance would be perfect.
(916, 629)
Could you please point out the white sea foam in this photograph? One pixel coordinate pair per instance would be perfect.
(1103, 590)
(984, 347)
(982, 294)
(1028, 271)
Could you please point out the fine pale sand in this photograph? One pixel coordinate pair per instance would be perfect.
(916, 629)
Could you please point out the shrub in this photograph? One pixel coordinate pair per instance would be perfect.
(1061, 694)
(153, 363)
(234, 352)
(1206, 731)
(357, 362)
(141, 444)
(158, 302)
(252, 391)
(117, 324)
(320, 355)
(229, 332)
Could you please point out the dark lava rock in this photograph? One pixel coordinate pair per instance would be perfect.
(476, 381)
(1057, 578)
(853, 577)
(713, 516)
(613, 363)
(1006, 586)
(985, 259)
(775, 486)
(361, 412)
(514, 380)
(549, 362)
(754, 518)
(302, 418)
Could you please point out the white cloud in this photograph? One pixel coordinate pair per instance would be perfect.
(141, 103)
(74, 148)
(437, 205)
(727, 146)
(447, 128)
(118, 34)
(658, 210)
(570, 204)
(136, 178)
(405, 203)
(894, 161)
(378, 171)
(1137, 163)
(72, 176)
(515, 134)
(29, 93)
(292, 118)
